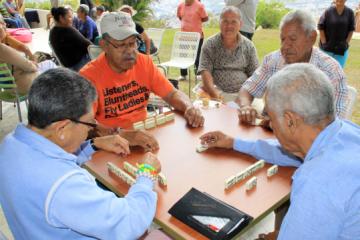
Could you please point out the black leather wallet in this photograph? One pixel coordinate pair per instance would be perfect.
(209, 216)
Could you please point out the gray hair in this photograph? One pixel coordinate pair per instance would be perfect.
(303, 18)
(84, 9)
(304, 89)
(232, 9)
(59, 94)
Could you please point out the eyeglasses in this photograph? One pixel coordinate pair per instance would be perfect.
(92, 125)
(122, 46)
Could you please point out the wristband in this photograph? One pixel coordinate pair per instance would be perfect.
(146, 170)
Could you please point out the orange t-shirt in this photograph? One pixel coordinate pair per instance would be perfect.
(123, 97)
(191, 16)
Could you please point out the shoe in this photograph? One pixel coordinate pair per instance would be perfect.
(198, 78)
(182, 78)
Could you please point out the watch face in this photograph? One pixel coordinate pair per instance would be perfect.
(213, 223)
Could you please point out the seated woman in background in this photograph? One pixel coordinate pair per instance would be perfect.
(87, 27)
(68, 44)
(24, 70)
(13, 10)
(11, 22)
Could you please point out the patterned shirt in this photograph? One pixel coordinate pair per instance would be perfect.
(272, 63)
(229, 68)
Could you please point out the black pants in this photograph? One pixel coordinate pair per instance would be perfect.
(184, 72)
(247, 35)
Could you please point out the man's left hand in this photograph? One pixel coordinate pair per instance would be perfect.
(194, 117)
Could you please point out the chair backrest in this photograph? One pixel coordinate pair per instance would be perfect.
(54, 54)
(6, 78)
(185, 46)
(94, 51)
(352, 94)
(156, 34)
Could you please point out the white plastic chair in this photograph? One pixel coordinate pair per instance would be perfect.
(352, 94)
(156, 34)
(94, 51)
(157, 102)
(183, 52)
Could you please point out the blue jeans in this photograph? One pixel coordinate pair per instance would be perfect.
(13, 22)
(339, 58)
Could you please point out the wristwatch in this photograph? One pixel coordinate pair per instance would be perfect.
(93, 145)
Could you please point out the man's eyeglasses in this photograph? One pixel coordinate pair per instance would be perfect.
(122, 46)
(93, 125)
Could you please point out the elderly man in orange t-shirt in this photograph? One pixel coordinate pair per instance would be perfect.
(192, 14)
(124, 79)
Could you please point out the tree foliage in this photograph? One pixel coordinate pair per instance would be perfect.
(269, 13)
(141, 6)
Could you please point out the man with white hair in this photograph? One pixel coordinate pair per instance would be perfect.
(325, 195)
(124, 80)
(227, 59)
(298, 35)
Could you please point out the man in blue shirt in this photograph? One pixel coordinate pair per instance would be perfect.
(325, 195)
(86, 26)
(44, 192)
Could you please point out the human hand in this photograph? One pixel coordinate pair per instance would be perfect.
(152, 160)
(194, 117)
(140, 138)
(32, 58)
(269, 236)
(217, 139)
(113, 143)
(247, 114)
(102, 130)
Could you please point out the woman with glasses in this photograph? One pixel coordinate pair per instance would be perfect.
(44, 192)
(68, 44)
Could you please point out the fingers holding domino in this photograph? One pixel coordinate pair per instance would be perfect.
(216, 139)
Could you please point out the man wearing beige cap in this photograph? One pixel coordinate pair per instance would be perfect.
(124, 79)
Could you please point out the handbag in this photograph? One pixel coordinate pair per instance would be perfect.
(21, 34)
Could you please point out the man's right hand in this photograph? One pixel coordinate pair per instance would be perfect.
(217, 139)
(140, 138)
(247, 114)
(152, 160)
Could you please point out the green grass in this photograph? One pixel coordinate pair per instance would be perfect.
(266, 41)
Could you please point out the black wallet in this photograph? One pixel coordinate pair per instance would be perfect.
(209, 216)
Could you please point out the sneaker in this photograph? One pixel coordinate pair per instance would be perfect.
(198, 78)
(182, 78)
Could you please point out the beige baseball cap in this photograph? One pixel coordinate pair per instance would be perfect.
(118, 25)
